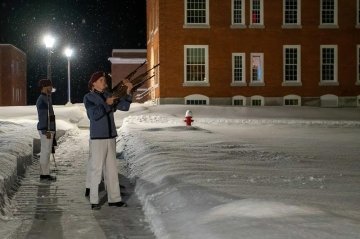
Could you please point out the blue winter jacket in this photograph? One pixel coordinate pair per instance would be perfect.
(101, 115)
(43, 104)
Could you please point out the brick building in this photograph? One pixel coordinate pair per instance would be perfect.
(12, 76)
(124, 61)
(255, 52)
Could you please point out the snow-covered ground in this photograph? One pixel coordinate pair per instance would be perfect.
(266, 172)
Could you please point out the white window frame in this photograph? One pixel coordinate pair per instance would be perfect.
(234, 82)
(197, 83)
(329, 25)
(292, 97)
(298, 81)
(292, 25)
(197, 97)
(261, 82)
(257, 97)
(261, 24)
(239, 97)
(335, 81)
(197, 25)
(358, 65)
(242, 24)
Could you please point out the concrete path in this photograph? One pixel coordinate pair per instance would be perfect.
(60, 210)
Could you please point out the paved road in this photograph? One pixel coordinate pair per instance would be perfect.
(60, 210)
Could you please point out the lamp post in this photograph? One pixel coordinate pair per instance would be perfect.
(68, 53)
(49, 43)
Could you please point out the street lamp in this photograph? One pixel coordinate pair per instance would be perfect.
(49, 43)
(68, 53)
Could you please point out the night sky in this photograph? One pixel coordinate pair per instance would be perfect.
(92, 28)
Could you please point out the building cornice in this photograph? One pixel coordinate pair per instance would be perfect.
(119, 60)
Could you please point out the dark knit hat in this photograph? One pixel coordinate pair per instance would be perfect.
(94, 78)
(44, 82)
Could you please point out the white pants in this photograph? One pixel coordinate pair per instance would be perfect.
(46, 145)
(88, 169)
(103, 154)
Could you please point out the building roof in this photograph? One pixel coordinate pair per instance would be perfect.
(12, 46)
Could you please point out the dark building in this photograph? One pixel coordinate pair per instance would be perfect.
(12, 76)
(255, 52)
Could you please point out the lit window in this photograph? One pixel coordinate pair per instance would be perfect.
(256, 12)
(257, 68)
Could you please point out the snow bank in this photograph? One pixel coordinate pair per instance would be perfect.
(17, 131)
(210, 181)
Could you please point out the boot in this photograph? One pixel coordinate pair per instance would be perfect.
(118, 204)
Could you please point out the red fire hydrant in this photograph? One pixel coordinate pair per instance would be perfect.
(188, 118)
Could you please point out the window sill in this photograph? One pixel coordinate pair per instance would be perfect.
(332, 83)
(196, 84)
(289, 26)
(196, 26)
(256, 84)
(332, 26)
(257, 26)
(238, 84)
(291, 84)
(237, 26)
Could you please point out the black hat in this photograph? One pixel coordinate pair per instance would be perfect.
(95, 77)
(44, 82)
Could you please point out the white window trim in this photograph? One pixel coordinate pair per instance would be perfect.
(243, 82)
(292, 97)
(335, 81)
(261, 82)
(357, 66)
(330, 25)
(292, 25)
(292, 83)
(197, 25)
(201, 83)
(239, 97)
(197, 97)
(257, 97)
(242, 24)
(261, 24)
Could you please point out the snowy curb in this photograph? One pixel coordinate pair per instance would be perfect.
(13, 164)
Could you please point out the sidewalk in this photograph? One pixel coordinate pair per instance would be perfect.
(60, 210)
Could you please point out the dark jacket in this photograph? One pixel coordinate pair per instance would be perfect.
(101, 115)
(42, 104)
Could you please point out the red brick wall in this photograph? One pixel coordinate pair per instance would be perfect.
(13, 76)
(223, 41)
